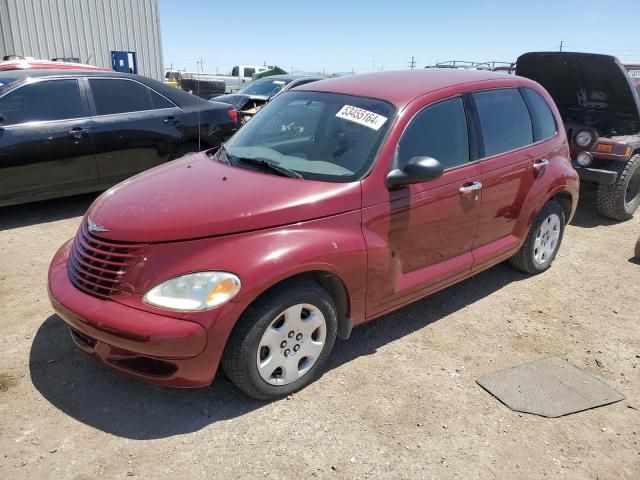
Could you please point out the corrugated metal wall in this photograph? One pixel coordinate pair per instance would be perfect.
(86, 29)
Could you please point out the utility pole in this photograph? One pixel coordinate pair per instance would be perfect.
(561, 44)
(412, 63)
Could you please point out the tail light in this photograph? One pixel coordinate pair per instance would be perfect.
(233, 114)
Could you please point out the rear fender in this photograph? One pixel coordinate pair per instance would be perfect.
(559, 178)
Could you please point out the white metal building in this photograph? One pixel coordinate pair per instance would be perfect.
(119, 34)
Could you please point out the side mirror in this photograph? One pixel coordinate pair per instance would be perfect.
(417, 170)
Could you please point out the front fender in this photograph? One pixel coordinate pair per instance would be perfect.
(264, 258)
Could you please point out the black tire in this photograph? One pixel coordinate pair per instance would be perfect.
(183, 149)
(525, 258)
(637, 252)
(621, 200)
(203, 88)
(240, 355)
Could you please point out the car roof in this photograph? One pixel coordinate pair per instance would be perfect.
(49, 72)
(183, 99)
(402, 86)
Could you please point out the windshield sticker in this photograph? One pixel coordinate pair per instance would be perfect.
(278, 82)
(361, 116)
(634, 73)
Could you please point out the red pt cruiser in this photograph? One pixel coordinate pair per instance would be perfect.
(339, 202)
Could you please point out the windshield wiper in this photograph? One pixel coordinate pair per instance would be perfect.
(227, 157)
(270, 165)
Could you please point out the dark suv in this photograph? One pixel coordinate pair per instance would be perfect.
(66, 132)
(600, 109)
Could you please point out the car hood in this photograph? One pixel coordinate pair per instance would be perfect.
(196, 197)
(583, 81)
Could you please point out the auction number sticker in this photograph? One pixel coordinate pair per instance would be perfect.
(361, 116)
(634, 73)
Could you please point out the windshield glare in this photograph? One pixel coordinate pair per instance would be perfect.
(265, 86)
(322, 136)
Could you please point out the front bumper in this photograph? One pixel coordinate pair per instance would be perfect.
(596, 175)
(151, 347)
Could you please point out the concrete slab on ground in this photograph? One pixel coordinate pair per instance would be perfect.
(550, 387)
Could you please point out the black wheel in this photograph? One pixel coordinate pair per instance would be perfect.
(620, 200)
(282, 341)
(183, 149)
(543, 240)
(637, 252)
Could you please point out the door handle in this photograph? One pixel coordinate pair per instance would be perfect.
(77, 133)
(170, 121)
(539, 167)
(475, 186)
(541, 164)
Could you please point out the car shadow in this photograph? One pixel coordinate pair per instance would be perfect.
(89, 392)
(587, 215)
(16, 216)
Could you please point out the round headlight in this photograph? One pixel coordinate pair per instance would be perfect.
(584, 159)
(194, 292)
(584, 138)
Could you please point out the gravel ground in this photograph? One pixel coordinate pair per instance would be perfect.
(398, 401)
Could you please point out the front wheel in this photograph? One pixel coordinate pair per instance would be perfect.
(621, 200)
(543, 240)
(282, 342)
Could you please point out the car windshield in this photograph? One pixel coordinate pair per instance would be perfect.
(264, 86)
(320, 136)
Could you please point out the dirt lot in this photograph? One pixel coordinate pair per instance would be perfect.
(399, 399)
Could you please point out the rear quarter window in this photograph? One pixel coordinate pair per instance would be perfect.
(544, 124)
(504, 119)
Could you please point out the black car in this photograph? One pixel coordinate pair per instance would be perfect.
(66, 132)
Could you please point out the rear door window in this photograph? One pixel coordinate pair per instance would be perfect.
(505, 120)
(544, 125)
(112, 96)
(43, 101)
(439, 131)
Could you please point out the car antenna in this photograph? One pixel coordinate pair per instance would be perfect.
(198, 67)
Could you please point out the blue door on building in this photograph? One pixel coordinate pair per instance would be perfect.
(124, 62)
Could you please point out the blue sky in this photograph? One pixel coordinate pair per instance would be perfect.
(345, 35)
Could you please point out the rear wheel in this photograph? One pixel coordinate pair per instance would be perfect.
(620, 200)
(282, 342)
(543, 240)
(637, 252)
